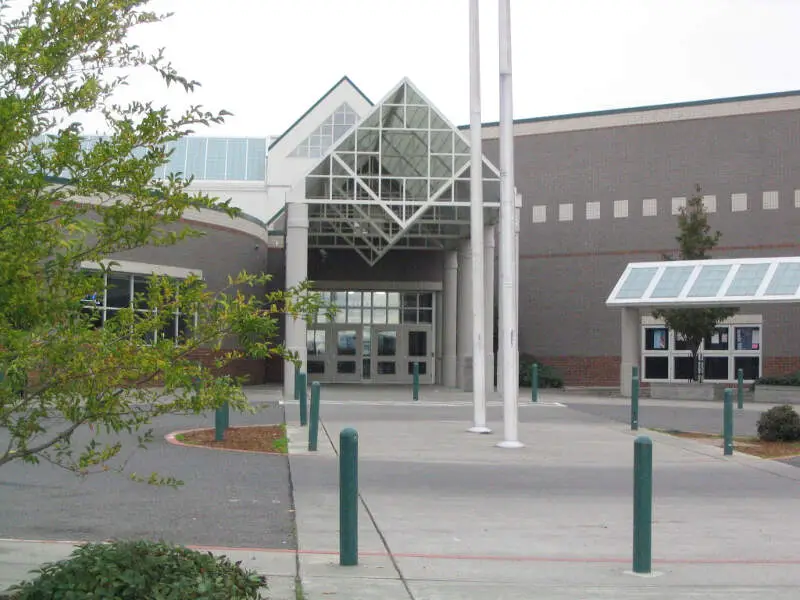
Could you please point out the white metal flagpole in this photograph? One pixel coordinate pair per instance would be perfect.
(508, 303)
(476, 227)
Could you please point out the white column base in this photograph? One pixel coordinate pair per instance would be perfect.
(479, 430)
(510, 444)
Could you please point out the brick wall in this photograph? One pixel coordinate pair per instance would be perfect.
(254, 369)
(780, 365)
(586, 370)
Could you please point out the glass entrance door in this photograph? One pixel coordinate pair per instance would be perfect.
(346, 365)
(419, 350)
(386, 355)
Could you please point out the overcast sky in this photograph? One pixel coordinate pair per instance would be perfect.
(268, 60)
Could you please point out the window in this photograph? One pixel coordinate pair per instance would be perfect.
(565, 212)
(121, 291)
(620, 209)
(324, 136)
(678, 204)
(770, 200)
(733, 345)
(738, 202)
(649, 207)
(540, 213)
(592, 210)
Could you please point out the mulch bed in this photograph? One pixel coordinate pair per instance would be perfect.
(258, 438)
(748, 445)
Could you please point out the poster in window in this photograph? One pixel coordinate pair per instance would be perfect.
(659, 339)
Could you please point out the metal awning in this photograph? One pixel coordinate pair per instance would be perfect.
(399, 179)
(713, 282)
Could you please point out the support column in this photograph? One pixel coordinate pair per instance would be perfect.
(450, 319)
(631, 335)
(489, 290)
(464, 339)
(296, 272)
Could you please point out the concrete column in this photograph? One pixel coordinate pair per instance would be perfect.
(464, 338)
(296, 272)
(488, 303)
(450, 319)
(631, 335)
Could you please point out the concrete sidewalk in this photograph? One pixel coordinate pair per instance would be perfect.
(446, 514)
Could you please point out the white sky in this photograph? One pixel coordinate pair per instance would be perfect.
(267, 61)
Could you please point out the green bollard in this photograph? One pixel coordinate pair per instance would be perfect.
(635, 398)
(220, 422)
(348, 497)
(415, 387)
(642, 504)
(296, 383)
(303, 400)
(534, 382)
(313, 427)
(727, 425)
(740, 389)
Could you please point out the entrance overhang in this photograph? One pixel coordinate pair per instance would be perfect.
(400, 179)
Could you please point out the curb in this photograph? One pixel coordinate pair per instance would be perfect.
(171, 439)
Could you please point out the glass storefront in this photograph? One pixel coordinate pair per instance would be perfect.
(372, 336)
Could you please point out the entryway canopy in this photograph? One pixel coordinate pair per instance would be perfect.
(399, 179)
(706, 283)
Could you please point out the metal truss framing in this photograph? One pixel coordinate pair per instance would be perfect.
(400, 179)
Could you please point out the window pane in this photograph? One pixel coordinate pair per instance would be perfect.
(417, 343)
(215, 161)
(140, 287)
(379, 315)
(425, 316)
(354, 315)
(256, 159)
(346, 367)
(656, 367)
(718, 340)
(410, 300)
(409, 315)
(315, 367)
(387, 343)
(315, 342)
(196, 157)
(119, 291)
(423, 368)
(393, 315)
(394, 299)
(387, 368)
(353, 299)
(236, 160)
(747, 279)
(426, 300)
(680, 342)
(346, 343)
(379, 299)
(716, 367)
(684, 368)
(655, 338)
(749, 366)
(748, 338)
(366, 368)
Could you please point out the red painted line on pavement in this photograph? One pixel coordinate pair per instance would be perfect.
(498, 558)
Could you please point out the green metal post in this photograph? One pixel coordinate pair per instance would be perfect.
(219, 423)
(296, 383)
(348, 497)
(739, 389)
(635, 399)
(303, 400)
(727, 429)
(313, 427)
(415, 391)
(534, 382)
(642, 504)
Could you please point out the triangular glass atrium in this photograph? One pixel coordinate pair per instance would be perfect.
(400, 179)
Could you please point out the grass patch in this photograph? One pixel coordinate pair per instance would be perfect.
(281, 444)
(745, 444)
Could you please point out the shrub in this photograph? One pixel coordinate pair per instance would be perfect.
(548, 376)
(779, 424)
(790, 379)
(141, 570)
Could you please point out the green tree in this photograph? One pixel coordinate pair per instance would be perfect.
(64, 203)
(695, 241)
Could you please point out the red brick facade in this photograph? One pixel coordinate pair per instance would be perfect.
(601, 371)
(780, 365)
(254, 369)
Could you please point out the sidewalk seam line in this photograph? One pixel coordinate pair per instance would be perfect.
(298, 580)
(383, 539)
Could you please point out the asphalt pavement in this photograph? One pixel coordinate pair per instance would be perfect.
(228, 498)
